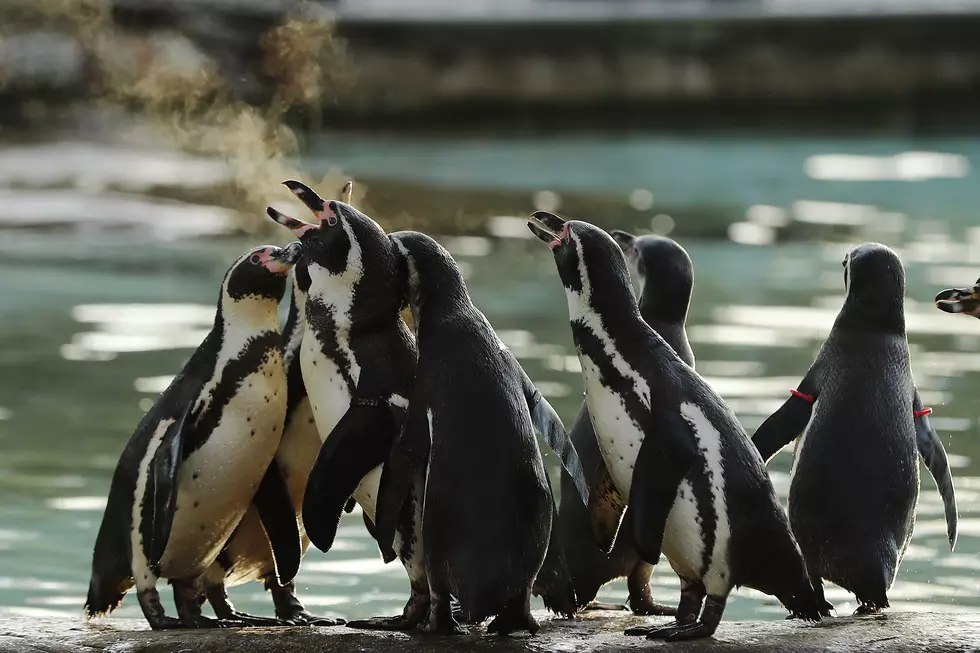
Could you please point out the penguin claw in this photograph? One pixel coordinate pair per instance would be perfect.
(383, 623)
(304, 618)
(693, 631)
(650, 631)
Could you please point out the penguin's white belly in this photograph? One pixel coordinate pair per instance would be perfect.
(218, 481)
(325, 386)
(249, 550)
(618, 436)
(297, 453)
(683, 538)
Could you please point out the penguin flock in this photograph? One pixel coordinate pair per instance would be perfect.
(269, 435)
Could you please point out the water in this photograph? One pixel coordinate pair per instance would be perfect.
(94, 320)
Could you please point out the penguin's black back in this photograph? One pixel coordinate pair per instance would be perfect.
(857, 455)
(487, 506)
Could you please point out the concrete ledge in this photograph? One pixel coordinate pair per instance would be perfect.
(603, 631)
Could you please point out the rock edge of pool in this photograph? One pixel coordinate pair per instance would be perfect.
(596, 631)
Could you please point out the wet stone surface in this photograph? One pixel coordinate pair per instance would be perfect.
(597, 631)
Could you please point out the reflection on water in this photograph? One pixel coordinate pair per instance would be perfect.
(85, 349)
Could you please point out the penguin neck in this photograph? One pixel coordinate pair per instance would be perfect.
(613, 310)
(292, 333)
(244, 318)
(881, 316)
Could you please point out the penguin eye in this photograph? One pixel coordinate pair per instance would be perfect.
(255, 259)
(332, 220)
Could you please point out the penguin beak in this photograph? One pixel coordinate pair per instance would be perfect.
(291, 254)
(276, 259)
(324, 211)
(548, 227)
(298, 227)
(624, 240)
(960, 300)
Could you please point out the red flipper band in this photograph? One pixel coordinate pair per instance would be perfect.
(802, 395)
(922, 413)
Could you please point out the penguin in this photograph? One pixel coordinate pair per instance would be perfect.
(696, 487)
(247, 556)
(358, 362)
(201, 456)
(960, 300)
(470, 428)
(665, 275)
(860, 421)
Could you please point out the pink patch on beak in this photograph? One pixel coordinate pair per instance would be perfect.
(562, 236)
(272, 264)
(301, 230)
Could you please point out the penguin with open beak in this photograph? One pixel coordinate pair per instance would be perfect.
(202, 457)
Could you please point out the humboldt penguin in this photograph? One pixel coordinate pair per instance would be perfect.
(665, 275)
(358, 363)
(471, 428)
(247, 556)
(198, 458)
(695, 485)
(860, 421)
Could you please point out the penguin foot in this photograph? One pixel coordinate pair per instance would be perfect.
(867, 608)
(647, 631)
(304, 618)
(401, 622)
(691, 631)
(515, 616)
(646, 607)
(594, 605)
(251, 620)
(505, 625)
(444, 627)
(207, 622)
(166, 623)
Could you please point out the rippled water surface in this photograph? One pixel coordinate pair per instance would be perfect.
(94, 323)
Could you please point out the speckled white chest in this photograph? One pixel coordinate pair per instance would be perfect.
(218, 481)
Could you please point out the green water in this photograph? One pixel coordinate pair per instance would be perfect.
(89, 319)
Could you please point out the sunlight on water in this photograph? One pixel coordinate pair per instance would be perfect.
(83, 369)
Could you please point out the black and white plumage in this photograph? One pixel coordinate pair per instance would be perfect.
(198, 458)
(697, 489)
(248, 556)
(358, 363)
(471, 427)
(857, 412)
(665, 276)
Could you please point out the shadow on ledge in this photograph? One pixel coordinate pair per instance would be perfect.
(603, 631)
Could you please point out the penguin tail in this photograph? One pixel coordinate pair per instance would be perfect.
(105, 595)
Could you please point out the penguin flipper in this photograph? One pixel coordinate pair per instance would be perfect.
(358, 443)
(407, 458)
(278, 518)
(934, 455)
(665, 457)
(787, 423)
(547, 422)
(162, 485)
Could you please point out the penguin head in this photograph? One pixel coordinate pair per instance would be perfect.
(874, 279)
(433, 275)
(259, 275)
(341, 241)
(960, 300)
(664, 272)
(590, 263)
